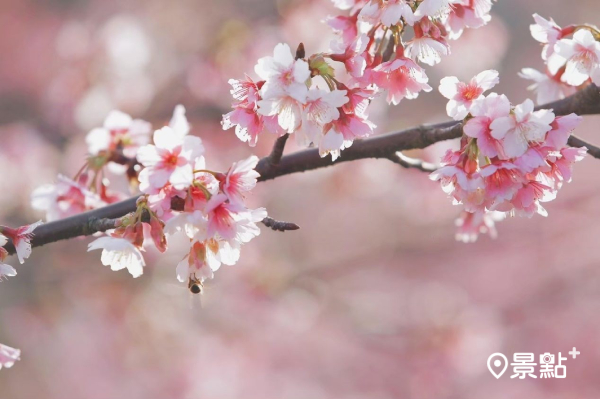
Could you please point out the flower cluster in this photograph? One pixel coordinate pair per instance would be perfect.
(511, 160)
(571, 55)
(182, 196)
(301, 95)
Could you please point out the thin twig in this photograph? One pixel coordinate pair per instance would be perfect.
(593, 150)
(408, 163)
(278, 225)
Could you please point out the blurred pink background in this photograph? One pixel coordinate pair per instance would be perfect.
(372, 298)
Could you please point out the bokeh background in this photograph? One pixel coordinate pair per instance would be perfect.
(372, 298)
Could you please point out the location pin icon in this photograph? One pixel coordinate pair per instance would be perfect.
(497, 364)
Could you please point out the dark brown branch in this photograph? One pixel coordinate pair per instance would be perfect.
(408, 163)
(279, 226)
(584, 102)
(277, 151)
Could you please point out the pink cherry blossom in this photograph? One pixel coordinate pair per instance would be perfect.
(547, 87)
(321, 108)
(502, 180)
(581, 55)
(170, 159)
(199, 265)
(249, 124)
(21, 238)
(8, 356)
(283, 75)
(387, 12)
(240, 178)
(467, 14)
(521, 127)
(484, 112)
(562, 127)
(546, 32)
(119, 253)
(340, 133)
(470, 224)
(402, 78)
(344, 26)
(65, 198)
(462, 95)
(119, 131)
(352, 55)
(429, 43)
(433, 8)
(527, 200)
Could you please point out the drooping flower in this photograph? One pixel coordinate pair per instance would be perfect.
(429, 43)
(387, 12)
(402, 78)
(521, 127)
(546, 32)
(462, 95)
(8, 356)
(340, 133)
(21, 238)
(470, 224)
(119, 253)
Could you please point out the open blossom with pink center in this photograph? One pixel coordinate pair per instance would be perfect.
(249, 124)
(387, 12)
(467, 14)
(65, 198)
(240, 178)
(21, 238)
(8, 356)
(119, 131)
(283, 75)
(485, 111)
(581, 55)
(402, 78)
(521, 127)
(462, 95)
(169, 160)
(321, 108)
(429, 43)
(562, 127)
(547, 87)
(119, 253)
(340, 133)
(470, 224)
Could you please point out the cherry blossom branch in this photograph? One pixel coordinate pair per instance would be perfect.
(584, 102)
